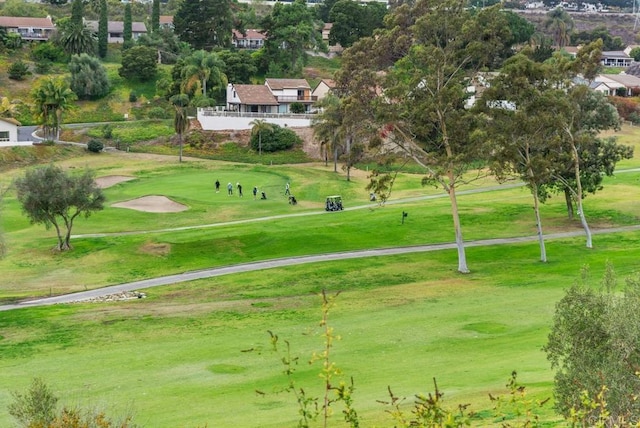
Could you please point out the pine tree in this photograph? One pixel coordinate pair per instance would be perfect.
(103, 31)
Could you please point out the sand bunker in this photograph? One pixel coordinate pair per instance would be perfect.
(152, 204)
(111, 180)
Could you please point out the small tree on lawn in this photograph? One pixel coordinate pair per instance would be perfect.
(258, 126)
(52, 197)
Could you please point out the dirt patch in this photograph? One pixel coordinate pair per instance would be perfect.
(111, 180)
(152, 204)
(155, 249)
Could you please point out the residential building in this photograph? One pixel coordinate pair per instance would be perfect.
(115, 30)
(251, 39)
(8, 131)
(616, 59)
(166, 21)
(29, 28)
(270, 102)
(289, 91)
(324, 87)
(616, 84)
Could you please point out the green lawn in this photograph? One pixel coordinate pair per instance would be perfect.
(180, 357)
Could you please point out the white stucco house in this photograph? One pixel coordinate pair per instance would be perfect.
(270, 102)
(8, 131)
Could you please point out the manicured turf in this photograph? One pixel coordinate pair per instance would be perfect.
(197, 353)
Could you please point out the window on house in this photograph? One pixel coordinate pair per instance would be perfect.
(4, 135)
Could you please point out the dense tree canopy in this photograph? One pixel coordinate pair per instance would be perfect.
(88, 77)
(139, 62)
(290, 30)
(204, 24)
(352, 21)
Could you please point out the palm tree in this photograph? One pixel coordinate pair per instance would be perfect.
(180, 120)
(200, 67)
(258, 126)
(52, 97)
(560, 24)
(328, 126)
(79, 39)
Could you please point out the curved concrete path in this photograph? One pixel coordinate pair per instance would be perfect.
(290, 261)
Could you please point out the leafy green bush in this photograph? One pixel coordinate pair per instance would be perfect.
(157, 113)
(278, 139)
(48, 52)
(43, 67)
(18, 70)
(95, 146)
(133, 97)
(296, 108)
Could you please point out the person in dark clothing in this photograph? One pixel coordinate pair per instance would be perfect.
(217, 186)
(255, 192)
(239, 189)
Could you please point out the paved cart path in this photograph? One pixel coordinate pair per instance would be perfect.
(289, 261)
(298, 260)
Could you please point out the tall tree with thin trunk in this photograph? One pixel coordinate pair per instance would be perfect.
(180, 118)
(52, 197)
(327, 126)
(258, 126)
(427, 56)
(103, 30)
(522, 104)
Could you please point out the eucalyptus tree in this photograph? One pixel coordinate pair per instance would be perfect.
(522, 104)
(415, 73)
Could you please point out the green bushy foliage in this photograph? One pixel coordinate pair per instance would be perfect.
(18, 70)
(157, 113)
(95, 146)
(47, 51)
(278, 139)
(297, 108)
(133, 97)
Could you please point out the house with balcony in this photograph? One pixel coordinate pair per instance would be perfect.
(250, 39)
(616, 59)
(38, 29)
(270, 102)
(289, 91)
